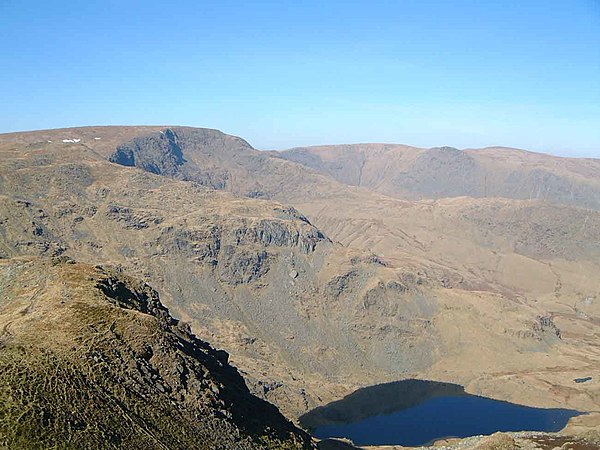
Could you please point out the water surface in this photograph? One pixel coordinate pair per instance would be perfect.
(417, 412)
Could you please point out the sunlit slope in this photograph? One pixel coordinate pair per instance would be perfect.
(90, 358)
(417, 173)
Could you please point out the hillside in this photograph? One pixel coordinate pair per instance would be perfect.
(90, 358)
(313, 285)
(203, 156)
(417, 173)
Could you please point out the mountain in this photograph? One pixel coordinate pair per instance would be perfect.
(317, 283)
(250, 275)
(90, 358)
(417, 173)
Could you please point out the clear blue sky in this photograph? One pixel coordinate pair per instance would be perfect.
(522, 73)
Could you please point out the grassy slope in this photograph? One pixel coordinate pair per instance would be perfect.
(90, 359)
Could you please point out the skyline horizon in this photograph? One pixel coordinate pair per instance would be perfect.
(324, 144)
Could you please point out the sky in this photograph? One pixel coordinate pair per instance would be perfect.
(463, 73)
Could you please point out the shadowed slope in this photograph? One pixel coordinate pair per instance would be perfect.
(90, 358)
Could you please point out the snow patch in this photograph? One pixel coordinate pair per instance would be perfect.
(72, 141)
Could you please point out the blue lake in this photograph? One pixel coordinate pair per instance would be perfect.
(416, 412)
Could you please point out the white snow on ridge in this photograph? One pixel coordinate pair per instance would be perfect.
(97, 139)
(72, 141)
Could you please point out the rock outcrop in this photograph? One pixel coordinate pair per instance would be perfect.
(90, 358)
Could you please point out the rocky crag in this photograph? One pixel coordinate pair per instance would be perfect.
(90, 358)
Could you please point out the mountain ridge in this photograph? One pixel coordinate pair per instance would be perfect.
(20, 135)
(416, 173)
(91, 358)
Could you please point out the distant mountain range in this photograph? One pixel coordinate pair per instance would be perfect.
(416, 173)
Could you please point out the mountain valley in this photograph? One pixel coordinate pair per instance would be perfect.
(319, 270)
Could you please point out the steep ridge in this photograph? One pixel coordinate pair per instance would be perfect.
(415, 173)
(90, 358)
(357, 289)
(208, 157)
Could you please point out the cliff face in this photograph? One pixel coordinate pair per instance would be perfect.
(158, 153)
(90, 358)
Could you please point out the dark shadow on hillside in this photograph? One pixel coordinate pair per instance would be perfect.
(379, 399)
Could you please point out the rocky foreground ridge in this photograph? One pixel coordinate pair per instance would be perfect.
(90, 358)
